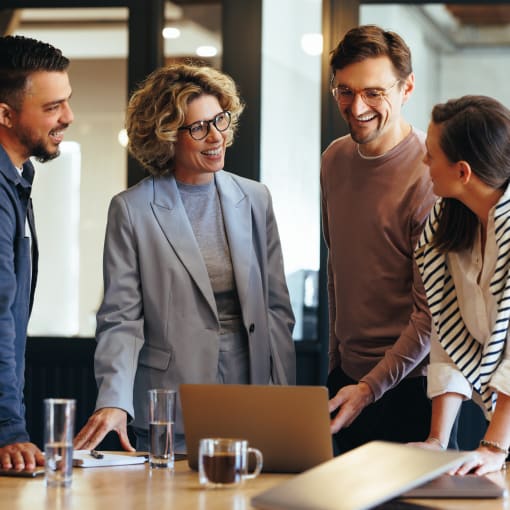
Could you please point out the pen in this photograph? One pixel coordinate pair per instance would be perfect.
(96, 454)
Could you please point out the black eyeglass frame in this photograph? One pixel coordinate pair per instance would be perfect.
(201, 123)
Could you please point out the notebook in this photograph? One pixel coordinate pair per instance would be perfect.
(360, 479)
(83, 458)
(468, 486)
(289, 424)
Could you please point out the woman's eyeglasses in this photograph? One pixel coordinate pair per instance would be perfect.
(200, 129)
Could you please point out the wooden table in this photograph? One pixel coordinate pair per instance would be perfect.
(138, 487)
(135, 487)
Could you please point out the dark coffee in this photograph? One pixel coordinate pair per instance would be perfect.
(222, 467)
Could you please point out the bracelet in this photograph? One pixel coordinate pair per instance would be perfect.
(436, 441)
(494, 446)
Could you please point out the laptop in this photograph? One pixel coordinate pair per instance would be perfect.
(289, 424)
(360, 479)
(468, 486)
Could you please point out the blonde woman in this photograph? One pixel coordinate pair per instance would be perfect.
(195, 289)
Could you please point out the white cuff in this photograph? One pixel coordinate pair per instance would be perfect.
(446, 378)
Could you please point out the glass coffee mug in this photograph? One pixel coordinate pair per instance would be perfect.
(224, 462)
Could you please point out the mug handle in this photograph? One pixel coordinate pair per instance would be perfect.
(258, 467)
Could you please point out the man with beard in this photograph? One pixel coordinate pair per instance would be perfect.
(376, 195)
(34, 112)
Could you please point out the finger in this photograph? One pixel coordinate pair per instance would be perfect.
(39, 458)
(338, 422)
(82, 438)
(82, 442)
(27, 459)
(5, 460)
(91, 438)
(96, 438)
(335, 402)
(18, 461)
(467, 467)
(124, 440)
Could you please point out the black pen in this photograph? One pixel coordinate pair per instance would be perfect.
(96, 454)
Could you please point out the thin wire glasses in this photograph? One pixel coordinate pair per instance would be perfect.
(371, 97)
(200, 129)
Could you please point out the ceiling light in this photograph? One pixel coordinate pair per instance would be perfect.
(171, 33)
(206, 51)
(311, 44)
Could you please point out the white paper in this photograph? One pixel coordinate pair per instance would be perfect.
(82, 458)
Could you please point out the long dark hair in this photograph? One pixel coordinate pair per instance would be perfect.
(475, 129)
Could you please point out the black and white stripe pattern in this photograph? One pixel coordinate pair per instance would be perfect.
(476, 362)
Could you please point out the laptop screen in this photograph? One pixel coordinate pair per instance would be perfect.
(289, 424)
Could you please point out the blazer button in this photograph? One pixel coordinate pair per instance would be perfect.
(251, 328)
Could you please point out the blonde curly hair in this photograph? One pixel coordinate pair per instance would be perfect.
(157, 109)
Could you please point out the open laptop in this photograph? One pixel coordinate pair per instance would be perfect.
(360, 479)
(289, 424)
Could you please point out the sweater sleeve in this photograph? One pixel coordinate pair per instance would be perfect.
(413, 345)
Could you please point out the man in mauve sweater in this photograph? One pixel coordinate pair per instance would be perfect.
(376, 195)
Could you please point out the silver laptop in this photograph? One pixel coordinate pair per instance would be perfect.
(289, 424)
(458, 487)
(360, 479)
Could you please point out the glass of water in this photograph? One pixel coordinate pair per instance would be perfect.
(161, 427)
(58, 441)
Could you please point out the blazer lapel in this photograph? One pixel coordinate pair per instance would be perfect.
(173, 220)
(236, 209)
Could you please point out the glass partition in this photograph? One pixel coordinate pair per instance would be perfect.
(290, 144)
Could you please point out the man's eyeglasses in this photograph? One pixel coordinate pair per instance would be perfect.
(371, 97)
(200, 129)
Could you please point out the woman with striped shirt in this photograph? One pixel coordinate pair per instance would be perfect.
(464, 260)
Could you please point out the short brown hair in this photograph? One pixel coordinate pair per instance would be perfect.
(158, 109)
(371, 41)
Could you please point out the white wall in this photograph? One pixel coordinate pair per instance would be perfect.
(98, 102)
(290, 136)
(56, 199)
(476, 71)
(442, 71)
(426, 61)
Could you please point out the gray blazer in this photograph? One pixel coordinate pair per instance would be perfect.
(158, 326)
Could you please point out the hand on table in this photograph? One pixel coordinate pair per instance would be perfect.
(428, 445)
(99, 424)
(485, 461)
(350, 400)
(21, 456)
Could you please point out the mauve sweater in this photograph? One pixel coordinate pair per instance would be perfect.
(373, 211)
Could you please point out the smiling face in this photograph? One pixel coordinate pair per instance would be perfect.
(444, 174)
(37, 127)
(196, 161)
(376, 128)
